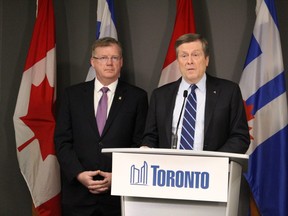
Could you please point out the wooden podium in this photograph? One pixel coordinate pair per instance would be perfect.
(168, 182)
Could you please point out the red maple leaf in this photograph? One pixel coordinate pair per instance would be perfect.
(249, 115)
(40, 118)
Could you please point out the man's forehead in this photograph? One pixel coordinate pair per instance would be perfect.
(108, 48)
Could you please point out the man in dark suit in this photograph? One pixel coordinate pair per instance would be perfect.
(220, 124)
(86, 172)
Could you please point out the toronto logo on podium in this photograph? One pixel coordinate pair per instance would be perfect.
(139, 176)
(168, 178)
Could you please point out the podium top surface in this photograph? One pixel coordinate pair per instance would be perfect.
(239, 158)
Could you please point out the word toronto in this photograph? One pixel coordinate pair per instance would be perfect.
(179, 178)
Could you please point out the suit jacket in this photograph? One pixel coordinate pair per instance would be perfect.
(225, 124)
(78, 143)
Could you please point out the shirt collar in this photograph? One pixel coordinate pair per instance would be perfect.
(201, 85)
(98, 85)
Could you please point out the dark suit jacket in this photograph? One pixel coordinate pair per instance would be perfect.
(225, 127)
(77, 140)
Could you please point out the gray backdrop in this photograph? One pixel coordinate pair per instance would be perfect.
(144, 28)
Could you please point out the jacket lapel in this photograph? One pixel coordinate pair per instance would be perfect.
(212, 95)
(119, 98)
(88, 104)
(170, 101)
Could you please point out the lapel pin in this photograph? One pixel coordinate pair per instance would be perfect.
(214, 92)
(120, 98)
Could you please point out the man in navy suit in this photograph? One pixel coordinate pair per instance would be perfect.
(86, 172)
(221, 123)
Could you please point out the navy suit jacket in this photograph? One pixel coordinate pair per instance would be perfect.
(225, 124)
(77, 140)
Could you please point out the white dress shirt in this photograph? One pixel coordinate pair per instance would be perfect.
(201, 99)
(98, 93)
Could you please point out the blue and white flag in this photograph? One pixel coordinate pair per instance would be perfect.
(264, 92)
(105, 26)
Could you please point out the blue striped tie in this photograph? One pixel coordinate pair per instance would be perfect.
(189, 120)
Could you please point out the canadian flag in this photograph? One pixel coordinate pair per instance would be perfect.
(34, 119)
(184, 23)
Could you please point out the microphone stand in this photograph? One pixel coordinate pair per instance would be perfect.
(174, 138)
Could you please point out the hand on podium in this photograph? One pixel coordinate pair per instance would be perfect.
(144, 146)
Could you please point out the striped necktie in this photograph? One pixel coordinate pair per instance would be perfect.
(189, 120)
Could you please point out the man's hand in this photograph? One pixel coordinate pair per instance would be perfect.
(95, 186)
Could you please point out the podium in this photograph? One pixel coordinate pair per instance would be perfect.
(176, 182)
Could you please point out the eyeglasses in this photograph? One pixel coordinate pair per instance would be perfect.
(104, 59)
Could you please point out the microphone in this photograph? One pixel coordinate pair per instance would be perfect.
(175, 136)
